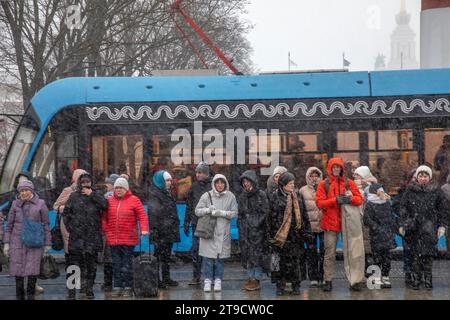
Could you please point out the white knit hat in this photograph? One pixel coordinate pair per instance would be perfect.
(363, 171)
(167, 176)
(425, 169)
(122, 182)
(280, 170)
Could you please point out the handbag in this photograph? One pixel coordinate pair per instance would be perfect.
(57, 238)
(206, 225)
(32, 233)
(271, 262)
(49, 268)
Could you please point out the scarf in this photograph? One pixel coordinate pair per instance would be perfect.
(282, 233)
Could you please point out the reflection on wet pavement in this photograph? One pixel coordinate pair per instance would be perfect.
(235, 276)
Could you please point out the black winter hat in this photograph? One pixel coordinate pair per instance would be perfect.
(374, 188)
(285, 178)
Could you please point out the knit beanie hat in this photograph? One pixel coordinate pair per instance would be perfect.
(167, 176)
(112, 178)
(280, 170)
(122, 182)
(363, 171)
(202, 167)
(425, 169)
(25, 185)
(285, 178)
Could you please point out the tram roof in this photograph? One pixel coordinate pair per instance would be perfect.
(78, 91)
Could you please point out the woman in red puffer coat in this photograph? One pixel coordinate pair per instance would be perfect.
(119, 224)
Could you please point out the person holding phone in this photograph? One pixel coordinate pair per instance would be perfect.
(83, 220)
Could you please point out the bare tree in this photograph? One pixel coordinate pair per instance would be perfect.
(114, 37)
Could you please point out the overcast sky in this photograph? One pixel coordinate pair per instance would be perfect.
(317, 32)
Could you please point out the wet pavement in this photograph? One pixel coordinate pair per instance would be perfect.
(234, 279)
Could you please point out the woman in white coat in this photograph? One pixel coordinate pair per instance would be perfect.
(221, 204)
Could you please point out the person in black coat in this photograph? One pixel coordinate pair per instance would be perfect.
(382, 230)
(424, 212)
(83, 219)
(288, 229)
(252, 217)
(201, 185)
(395, 203)
(163, 224)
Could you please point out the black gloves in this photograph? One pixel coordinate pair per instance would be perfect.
(343, 200)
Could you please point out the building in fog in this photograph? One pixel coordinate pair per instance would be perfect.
(435, 34)
(403, 43)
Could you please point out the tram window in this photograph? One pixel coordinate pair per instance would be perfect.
(301, 150)
(182, 174)
(43, 168)
(392, 168)
(67, 146)
(118, 154)
(395, 139)
(437, 152)
(18, 152)
(354, 140)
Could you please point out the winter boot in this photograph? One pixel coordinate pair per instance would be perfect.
(408, 280)
(417, 280)
(20, 292)
(428, 281)
(246, 284)
(280, 288)
(195, 281)
(314, 284)
(327, 286)
(71, 294)
(295, 288)
(127, 293)
(355, 287)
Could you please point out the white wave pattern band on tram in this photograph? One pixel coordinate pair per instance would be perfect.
(269, 111)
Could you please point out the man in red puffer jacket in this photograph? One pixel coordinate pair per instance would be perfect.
(329, 197)
(119, 224)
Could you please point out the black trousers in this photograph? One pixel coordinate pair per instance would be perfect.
(289, 269)
(87, 262)
(20, 286)
(383, 261)
(422, 266)
(163, 251)
(314, 258)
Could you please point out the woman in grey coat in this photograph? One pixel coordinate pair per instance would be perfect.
(221, 204)
(25, 261)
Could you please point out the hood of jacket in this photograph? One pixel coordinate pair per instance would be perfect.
(227, 185)
(250, 175)
(335, 161)
(84, 175)
(158, 180)
(416, 187)
(76, 175)
(309, 182)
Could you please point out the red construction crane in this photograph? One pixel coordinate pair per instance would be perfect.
(176, 7)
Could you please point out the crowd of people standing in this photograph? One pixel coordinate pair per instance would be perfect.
(288, 231)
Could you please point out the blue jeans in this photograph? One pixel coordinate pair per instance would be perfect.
(212, 267)
(122, 261)
(255, 273)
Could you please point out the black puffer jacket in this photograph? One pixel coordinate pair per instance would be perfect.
(382, 227)
(197, 190)
(252, 218)
(163, 218)
(294, 244)
(83, 219)
(423, 210)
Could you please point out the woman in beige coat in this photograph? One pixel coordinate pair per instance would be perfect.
(314, 258)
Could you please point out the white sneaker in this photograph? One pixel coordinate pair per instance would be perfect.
(217, 285)
(378, 283)
(39, 289)
(386, 283)
(207, 287)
